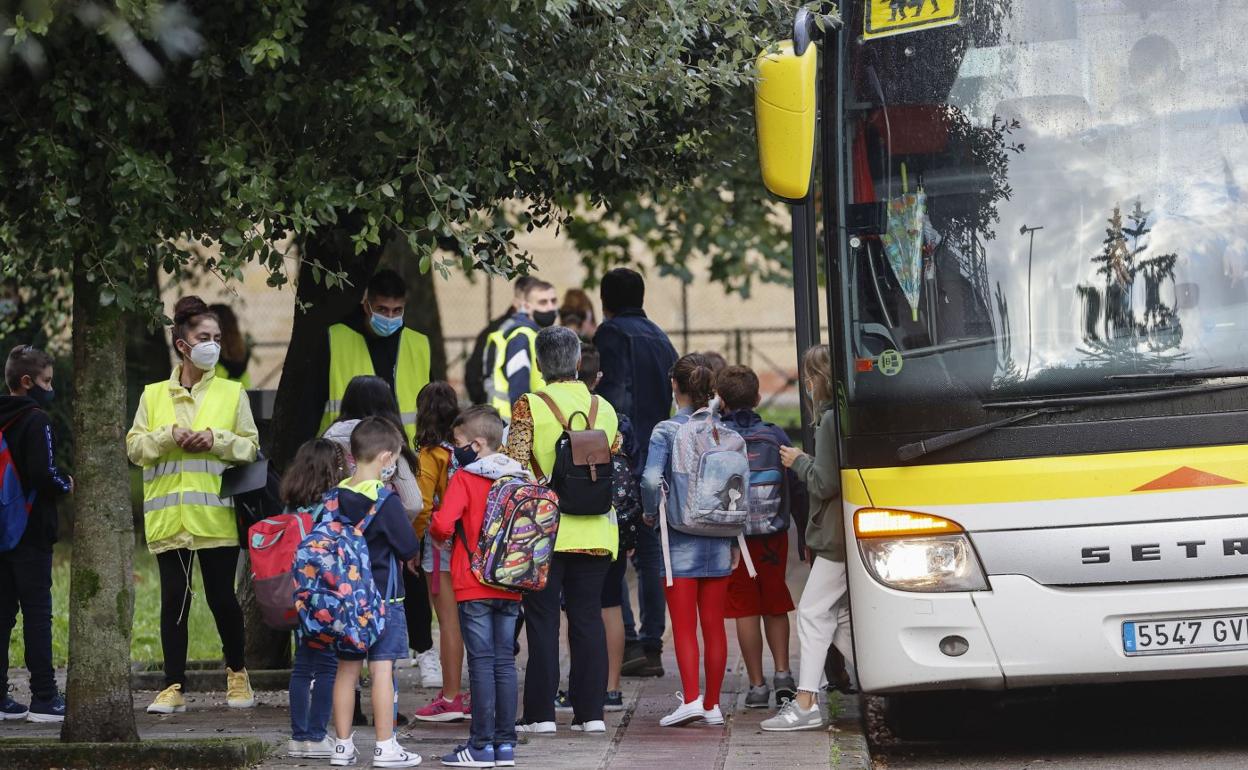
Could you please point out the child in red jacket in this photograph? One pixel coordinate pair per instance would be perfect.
(487, 615)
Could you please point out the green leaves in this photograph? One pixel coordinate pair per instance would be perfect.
(298, 116)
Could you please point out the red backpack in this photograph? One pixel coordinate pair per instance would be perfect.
(272, 543)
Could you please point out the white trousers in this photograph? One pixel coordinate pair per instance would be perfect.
(823, 618)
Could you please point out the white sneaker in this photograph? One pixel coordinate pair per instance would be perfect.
(391, 754)
(685, 713)
(322, 749)
(296, 749)
(430, 666)
(793, 717)
(713, 716)
(592, 726)
(536, 728)
(344, 752)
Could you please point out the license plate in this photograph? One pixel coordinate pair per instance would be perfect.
(1152, 637)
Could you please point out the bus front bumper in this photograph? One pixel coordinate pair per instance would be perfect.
(1023, 634)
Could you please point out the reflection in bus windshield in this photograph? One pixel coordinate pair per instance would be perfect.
(1056, 183)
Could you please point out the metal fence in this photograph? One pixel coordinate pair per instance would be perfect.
(771, 351)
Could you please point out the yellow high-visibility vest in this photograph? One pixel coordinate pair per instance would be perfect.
(348, 358)
(223, 374)
(182, 491)
(576, 533)
(500, 397)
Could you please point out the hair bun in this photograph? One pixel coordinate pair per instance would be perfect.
(187, 308)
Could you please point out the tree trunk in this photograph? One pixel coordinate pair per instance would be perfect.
(422, 302)
(325, 307)
(292, 423)
(101, 593)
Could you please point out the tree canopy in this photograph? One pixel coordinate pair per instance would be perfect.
(447, 124)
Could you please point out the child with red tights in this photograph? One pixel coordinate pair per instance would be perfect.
(697, 589)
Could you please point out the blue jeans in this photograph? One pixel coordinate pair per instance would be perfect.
(489, 629)
(312, 678)
(648, 561)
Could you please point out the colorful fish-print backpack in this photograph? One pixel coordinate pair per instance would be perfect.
(340, 608)
(517, 536)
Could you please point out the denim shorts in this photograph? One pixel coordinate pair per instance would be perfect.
(427, 550)
(393, 642)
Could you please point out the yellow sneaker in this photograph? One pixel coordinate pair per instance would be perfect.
(238, 692)
(170, 701)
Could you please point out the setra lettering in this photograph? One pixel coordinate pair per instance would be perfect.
(1191, 547)
(1233, 546)
(1146, 552)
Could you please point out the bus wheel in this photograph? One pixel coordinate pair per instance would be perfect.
(919, 716)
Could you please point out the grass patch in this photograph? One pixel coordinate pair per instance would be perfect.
(145, 640)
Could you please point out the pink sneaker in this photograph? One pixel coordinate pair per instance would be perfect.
(442, 710)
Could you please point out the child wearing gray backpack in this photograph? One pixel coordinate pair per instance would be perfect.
(696, 488)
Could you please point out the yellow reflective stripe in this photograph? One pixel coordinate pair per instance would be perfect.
(333, 406)
(186, 498)
(168, 468)
(409, 418)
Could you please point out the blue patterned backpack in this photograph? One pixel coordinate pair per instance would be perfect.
(340, 608)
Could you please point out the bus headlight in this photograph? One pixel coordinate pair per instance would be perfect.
(942, 563)
(917, 551)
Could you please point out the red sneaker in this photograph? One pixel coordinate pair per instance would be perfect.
(442, 710)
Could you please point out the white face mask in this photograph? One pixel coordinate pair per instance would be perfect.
(205, 355)
(388, 472)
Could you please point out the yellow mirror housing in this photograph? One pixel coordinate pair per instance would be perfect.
(784, 109)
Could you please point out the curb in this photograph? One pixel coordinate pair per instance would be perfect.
(35, 754)
(850, 749)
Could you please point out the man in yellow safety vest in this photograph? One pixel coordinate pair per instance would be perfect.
(511, 349)
(372, 340)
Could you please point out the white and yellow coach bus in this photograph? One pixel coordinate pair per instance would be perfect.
(1029, 220)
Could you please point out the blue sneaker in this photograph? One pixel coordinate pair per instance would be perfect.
(504, 755)
(467, 756)
(11, 709)
(50, 710)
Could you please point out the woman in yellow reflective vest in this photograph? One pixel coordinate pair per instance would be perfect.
(187, 431)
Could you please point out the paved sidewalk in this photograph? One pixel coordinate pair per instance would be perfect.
(633, 740)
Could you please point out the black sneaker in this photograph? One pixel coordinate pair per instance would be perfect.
(562, 701)
(654, 664)
(12, 710)
(634, 659)
(614, 701)
(50, 710)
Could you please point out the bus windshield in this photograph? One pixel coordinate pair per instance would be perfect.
(1054, 192)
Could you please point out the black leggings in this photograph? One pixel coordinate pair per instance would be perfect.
(217, 566)
(419, 612)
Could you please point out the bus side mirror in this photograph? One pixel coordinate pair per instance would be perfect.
(784, 108)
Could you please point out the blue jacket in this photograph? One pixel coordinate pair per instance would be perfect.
(693, 556)
(636, 361)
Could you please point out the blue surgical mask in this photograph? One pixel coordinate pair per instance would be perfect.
(383, 326)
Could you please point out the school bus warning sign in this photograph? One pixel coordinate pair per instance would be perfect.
(896, 17)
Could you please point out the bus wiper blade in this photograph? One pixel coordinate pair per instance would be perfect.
(1155, 394)
(908, 452)
(1198, 374)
